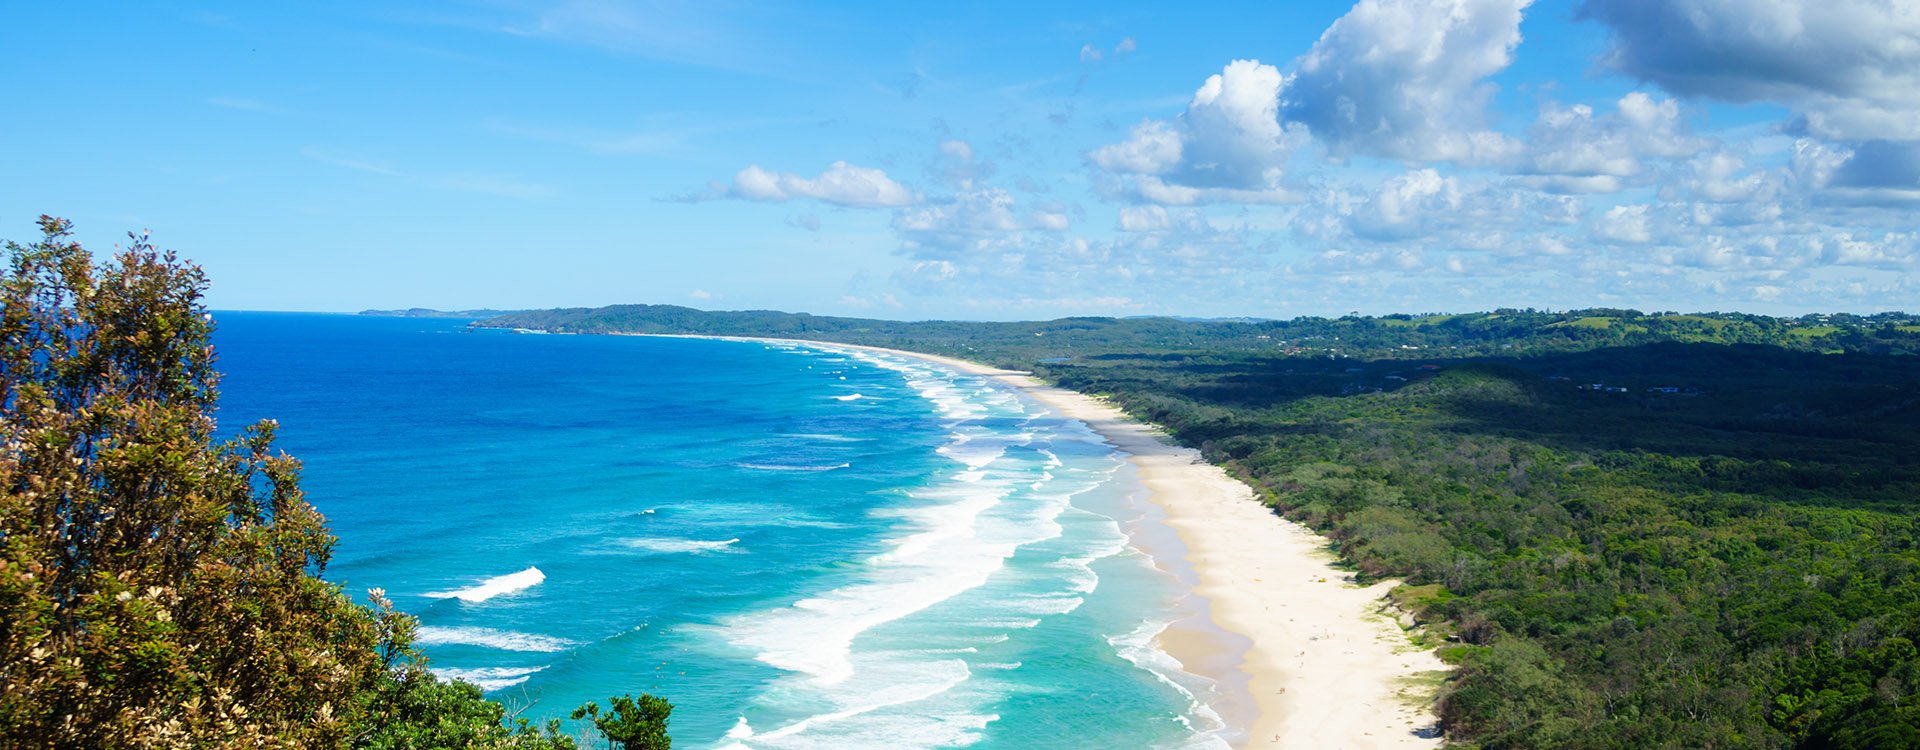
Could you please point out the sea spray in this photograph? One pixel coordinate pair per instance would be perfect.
(495, 586)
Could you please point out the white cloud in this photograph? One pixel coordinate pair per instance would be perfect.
(1572, 150)
(1624, 224)
(1404, 204)
(1156, 190)
(958, 167)
(841, 184)
(1233, 137)
(1092, 54)
(1893, 250)
(1431, 208)
(1144, 219)
(957, 149)
(1723, 177)
(1153, 148)
(1152, 218)
(1882, 171)
(1351, 262)
(1849, 67)
(1406, 79)
(1228, 145)
(975, 221)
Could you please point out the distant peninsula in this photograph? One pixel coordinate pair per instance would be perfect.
(424, 312)
(1502, 332)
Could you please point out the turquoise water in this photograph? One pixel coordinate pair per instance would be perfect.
(800, 546)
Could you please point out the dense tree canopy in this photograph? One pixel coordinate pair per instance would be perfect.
(157, 586)
(160, 587)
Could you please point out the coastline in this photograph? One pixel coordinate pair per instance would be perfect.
(1278, 623)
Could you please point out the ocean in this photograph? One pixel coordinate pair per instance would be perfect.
(799, 546)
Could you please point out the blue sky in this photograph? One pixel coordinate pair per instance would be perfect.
(1014, 161)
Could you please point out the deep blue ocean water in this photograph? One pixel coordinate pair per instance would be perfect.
(800, 547)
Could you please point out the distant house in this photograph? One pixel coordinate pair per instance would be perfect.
(1664, 389)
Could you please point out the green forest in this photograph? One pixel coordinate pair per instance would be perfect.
(1627, 530)
(1501, 332)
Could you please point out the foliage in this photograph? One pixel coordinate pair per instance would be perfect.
(155, 586)
(411, 709)
(160, 587)
(632, 724)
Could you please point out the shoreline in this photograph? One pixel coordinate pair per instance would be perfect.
(1276, 622)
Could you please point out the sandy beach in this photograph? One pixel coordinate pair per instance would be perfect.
(1321, 666)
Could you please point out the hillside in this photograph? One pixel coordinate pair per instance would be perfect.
(1502, 332)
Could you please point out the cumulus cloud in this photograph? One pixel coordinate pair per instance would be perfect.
(1572, 150)
(957, 167)
(1879, 172)
(1343, 262)
(1154, 147)
(1406, 79)
(1624, 224)
(1404, 204)
(1429, 208)
(1092, 54)
(1892, 250)
(1722, 176)
(975, 221)
(1228, 139)
(1400, 79)
(841, 184)
(1849, 67)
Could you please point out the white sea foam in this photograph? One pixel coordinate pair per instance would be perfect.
(494, 586)
(848, 397)
(830, 438)
(1139, 648)
(487, 678)
(792, 467)
(885, 694)
(505, 640)
(1043, 605)
(958, 536)
(669, 546)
